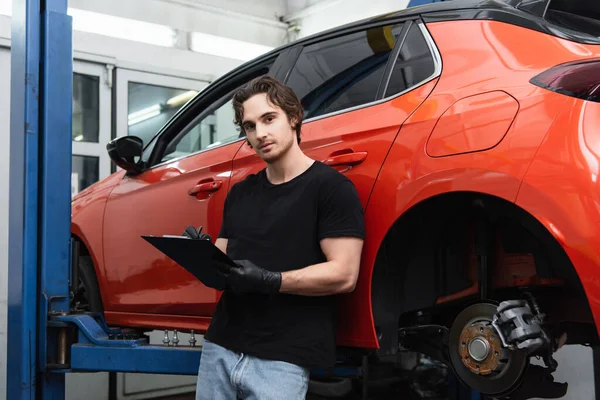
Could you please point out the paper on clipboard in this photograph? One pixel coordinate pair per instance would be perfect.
(201, 258)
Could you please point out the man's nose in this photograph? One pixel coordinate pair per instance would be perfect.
(261, 131)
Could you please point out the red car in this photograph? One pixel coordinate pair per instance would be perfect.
(470, 129)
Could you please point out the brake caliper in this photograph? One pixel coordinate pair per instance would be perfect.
(519, 328)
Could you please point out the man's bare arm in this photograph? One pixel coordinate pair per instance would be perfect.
(337, 275)
(221, 244)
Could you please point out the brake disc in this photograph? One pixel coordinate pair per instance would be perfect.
(477, 355)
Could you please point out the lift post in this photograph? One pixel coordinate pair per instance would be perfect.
(39, 198)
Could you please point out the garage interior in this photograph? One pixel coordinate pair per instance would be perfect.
(132, 58)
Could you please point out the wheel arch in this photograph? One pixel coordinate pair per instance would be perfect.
(85, 250)
(407, 268)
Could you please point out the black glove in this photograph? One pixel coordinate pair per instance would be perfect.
(191, 232)
(250, 278)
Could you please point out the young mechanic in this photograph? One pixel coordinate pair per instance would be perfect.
(296, 230)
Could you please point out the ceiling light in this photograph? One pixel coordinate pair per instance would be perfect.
(122, 28)
(142, 115)
(225, 47)
(181, 98)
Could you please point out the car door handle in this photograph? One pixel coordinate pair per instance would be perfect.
(347, 159)
(206, 186)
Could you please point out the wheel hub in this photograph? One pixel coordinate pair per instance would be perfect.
(480, 348)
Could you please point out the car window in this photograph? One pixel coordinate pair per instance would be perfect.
(342, 72)
(413, 65)
(211, 130)
(211, 118)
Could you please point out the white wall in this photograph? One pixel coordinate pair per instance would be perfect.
(141, 56)
(255, 22)
(4, 162)
(315, 16)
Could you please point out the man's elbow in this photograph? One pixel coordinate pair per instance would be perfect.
(347, 286)
(348, 283)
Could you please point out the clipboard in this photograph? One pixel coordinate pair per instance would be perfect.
(200, 257)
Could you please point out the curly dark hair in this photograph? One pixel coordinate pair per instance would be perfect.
(277, 93)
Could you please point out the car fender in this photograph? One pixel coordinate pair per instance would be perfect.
(387, 205)
(87, 222)
(562, 191)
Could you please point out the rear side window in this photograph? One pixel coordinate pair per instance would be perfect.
(343, 72)
(413, 65)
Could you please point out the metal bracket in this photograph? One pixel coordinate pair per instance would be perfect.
(99, 348)
(109, 75)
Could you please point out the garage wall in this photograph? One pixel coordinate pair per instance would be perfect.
(255, 22)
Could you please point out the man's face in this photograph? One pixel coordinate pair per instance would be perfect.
(267, 128)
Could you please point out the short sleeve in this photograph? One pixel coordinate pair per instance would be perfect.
(340, 212)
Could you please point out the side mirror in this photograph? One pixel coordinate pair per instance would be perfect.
(126, 153)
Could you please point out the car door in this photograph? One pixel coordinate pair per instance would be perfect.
(186, 183)
(356, 88)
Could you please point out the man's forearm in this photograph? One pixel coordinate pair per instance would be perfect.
(318, 280)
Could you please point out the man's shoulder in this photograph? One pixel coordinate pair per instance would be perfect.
(249, 181)
(330, 179)
(326, 174)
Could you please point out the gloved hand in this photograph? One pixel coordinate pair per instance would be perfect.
(250, 278)
(191, 232)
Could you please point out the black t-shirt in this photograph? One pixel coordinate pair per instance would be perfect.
(278, 227)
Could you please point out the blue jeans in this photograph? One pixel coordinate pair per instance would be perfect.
(225, 375)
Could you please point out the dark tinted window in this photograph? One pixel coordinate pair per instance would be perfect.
(343, 72)
(414, 63)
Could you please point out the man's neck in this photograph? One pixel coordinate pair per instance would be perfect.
(294, 163)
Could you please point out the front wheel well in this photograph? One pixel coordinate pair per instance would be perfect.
(428, 262)
(86, 294)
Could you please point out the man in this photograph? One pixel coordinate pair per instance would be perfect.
(296, 231)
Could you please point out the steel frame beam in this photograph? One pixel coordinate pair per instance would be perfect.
(39, 193)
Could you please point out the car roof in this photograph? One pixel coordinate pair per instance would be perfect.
(443, 6)
(513, 12)
(516, 12)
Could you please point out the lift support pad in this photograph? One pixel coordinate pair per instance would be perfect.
(96, 349)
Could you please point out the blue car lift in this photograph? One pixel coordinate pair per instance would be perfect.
(45, 339)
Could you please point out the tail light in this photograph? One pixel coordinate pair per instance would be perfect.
(580, 79)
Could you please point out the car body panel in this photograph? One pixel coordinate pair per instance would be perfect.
(409, 176)
(87, 215)
(474, 123)
(369, 130)
(141, 278)
(562, 191)
(159, 321)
